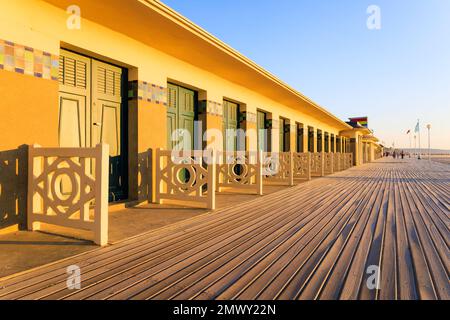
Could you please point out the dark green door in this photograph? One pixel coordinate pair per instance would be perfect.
(262, 132)
(300, 134)
(230, 125)
(180, 115)
(285, 131)
(282, 124)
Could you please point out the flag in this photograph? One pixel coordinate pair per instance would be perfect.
(417, 130)
(363, 121)
(409, 131)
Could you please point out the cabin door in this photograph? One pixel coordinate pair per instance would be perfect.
(91, 110)
(262, 132)
(230, 125)
(180, 118)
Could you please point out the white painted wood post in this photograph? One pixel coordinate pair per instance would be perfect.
(259, 173)
(158, 177)
(101, 194)
(291, 169)
(33, 200)
(212, 180)
(221, 156)
(150, 175)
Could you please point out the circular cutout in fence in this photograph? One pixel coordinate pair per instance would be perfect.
(239, 170)
(184, 177)
(271, 166)
(64, 186)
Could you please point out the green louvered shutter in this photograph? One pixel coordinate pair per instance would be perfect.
(230, 125)
(180, 115)
(262, 133)
(186, 115)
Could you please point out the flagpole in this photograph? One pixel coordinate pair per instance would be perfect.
(415, 145)
(410, 143)
(420, 150)
(429, 142)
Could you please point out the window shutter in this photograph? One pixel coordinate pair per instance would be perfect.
(72, 72)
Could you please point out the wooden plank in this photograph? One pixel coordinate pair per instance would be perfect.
(312, 241)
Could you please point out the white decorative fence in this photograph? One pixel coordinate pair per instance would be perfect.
(184, 176)
(63, 185)
(240, 170)
(302, 165)
(317, 164)
(278, 168)
(328, 163)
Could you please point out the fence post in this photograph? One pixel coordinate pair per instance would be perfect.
(158, 177)
(33, 203)
(291, 168)
(308, 171)
(101, 194)
(259, 175)
(150, 176)
(212, 181)
(222, 160)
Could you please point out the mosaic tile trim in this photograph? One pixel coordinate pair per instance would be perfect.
(275, 124)
(145, 91)
(25, 60)
(250, 117)
(212, 108)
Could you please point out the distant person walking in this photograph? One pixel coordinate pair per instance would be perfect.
(403, 155)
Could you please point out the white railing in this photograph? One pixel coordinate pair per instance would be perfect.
(278, 168)
(184, 176)
(328, 164)
(63, 185)
(240, 170)
(317, 164)
(302, 165)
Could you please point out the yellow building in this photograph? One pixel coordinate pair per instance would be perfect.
(129, 73)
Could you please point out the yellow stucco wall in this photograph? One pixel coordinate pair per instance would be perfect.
(28, 111)
(40, 25)
(29, 105)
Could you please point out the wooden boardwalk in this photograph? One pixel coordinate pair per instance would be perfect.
(313, 241)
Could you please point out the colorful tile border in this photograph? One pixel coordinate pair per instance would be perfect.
(274, 123)
(249, 117)
(213, 108)
(26, 60)
(145, 91)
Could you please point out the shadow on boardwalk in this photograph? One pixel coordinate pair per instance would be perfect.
(320, 240)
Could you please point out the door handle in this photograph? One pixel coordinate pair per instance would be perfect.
(97, 124)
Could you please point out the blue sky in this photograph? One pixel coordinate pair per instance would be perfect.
(324, 49)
